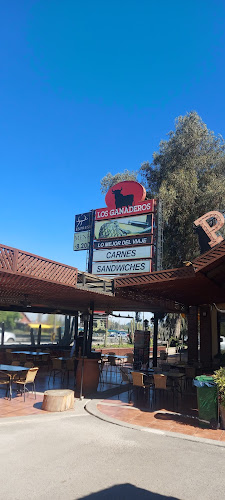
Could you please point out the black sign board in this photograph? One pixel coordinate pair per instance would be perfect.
(141, 348)
(83, 222)
(127, 241)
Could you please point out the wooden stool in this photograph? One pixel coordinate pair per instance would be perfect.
(58, 400)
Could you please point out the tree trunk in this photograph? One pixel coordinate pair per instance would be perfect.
(177, 326)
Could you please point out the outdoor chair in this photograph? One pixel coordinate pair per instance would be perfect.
(139, 383)
(5, 380)
(29, 378)
(113, 364)
(57, 369)
(69, 368)
(125, 378)
(190, 373)
(8, 357)
(15, 363)
(22, 357)
(130, 357)
(29, 364)
(161, 384)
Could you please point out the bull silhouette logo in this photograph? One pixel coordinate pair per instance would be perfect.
(121, 200)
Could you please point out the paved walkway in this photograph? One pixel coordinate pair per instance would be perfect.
(116, 411)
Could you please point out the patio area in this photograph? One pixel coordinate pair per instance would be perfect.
(121, 402)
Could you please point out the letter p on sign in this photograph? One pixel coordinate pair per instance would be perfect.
(211, 231)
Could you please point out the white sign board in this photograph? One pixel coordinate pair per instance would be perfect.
(81, 240)
(122, 254)
(119, 268)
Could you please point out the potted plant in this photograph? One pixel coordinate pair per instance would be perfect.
(219, 377)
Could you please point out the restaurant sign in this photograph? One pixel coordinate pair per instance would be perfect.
(124, 199)
(120, 268)
(81, 240)
(83, 222)
(138, 225)
(125, 241)
(142, 252)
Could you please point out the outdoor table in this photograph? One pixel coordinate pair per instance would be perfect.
(175, 375)
(12, 370)
(31, 353)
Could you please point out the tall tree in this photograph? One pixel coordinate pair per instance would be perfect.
(188, 174)
(9, 318)
(110, 180)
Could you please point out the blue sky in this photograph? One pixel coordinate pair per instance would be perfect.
(92, 87)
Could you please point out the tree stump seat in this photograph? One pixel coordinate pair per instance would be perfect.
(58, 400)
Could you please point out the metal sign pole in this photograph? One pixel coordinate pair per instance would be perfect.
(159, 255)
(83, 353)
(90, 259)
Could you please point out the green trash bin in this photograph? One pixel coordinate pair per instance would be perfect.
(207, 401)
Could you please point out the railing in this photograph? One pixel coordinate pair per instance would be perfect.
(18, 262)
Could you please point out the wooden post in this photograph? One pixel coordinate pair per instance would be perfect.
(32, 337)
(75, 325)
(3, 332)
(83, 354)
(39, 335)
(155, 338)
(193, 334)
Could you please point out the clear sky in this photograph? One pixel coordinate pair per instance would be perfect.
(90, 87)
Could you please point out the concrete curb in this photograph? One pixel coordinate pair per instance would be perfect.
(91, 408)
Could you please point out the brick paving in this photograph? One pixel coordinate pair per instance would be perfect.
(161, 419)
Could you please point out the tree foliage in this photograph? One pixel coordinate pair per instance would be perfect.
(188, 174)
(9, 318)
(110, 180)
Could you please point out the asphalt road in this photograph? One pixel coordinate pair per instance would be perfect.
(72, 456)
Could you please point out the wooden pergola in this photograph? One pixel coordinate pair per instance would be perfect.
(31, 283)
(199, 282)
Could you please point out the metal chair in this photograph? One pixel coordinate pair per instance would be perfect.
(113, 362)
(8, 357)
(161, 384)
(5, 380)
(138, 382)
(69, 368)
(22, 357)
(29, 379)
(57, 369)
(190, 373)
(130, 357)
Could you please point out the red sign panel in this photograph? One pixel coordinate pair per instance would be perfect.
(124, 194)
(143, 207)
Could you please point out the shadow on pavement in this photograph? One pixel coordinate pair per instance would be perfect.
(126, 491)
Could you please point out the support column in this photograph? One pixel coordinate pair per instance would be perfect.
(205, 335)
(75, 325)
(90, 333)
(192, 334)
(155, 338)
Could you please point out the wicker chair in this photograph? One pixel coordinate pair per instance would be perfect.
(138, 382)
(161, 384)
(28, 379)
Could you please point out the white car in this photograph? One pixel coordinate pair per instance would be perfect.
(222, 343)
(9, 337)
